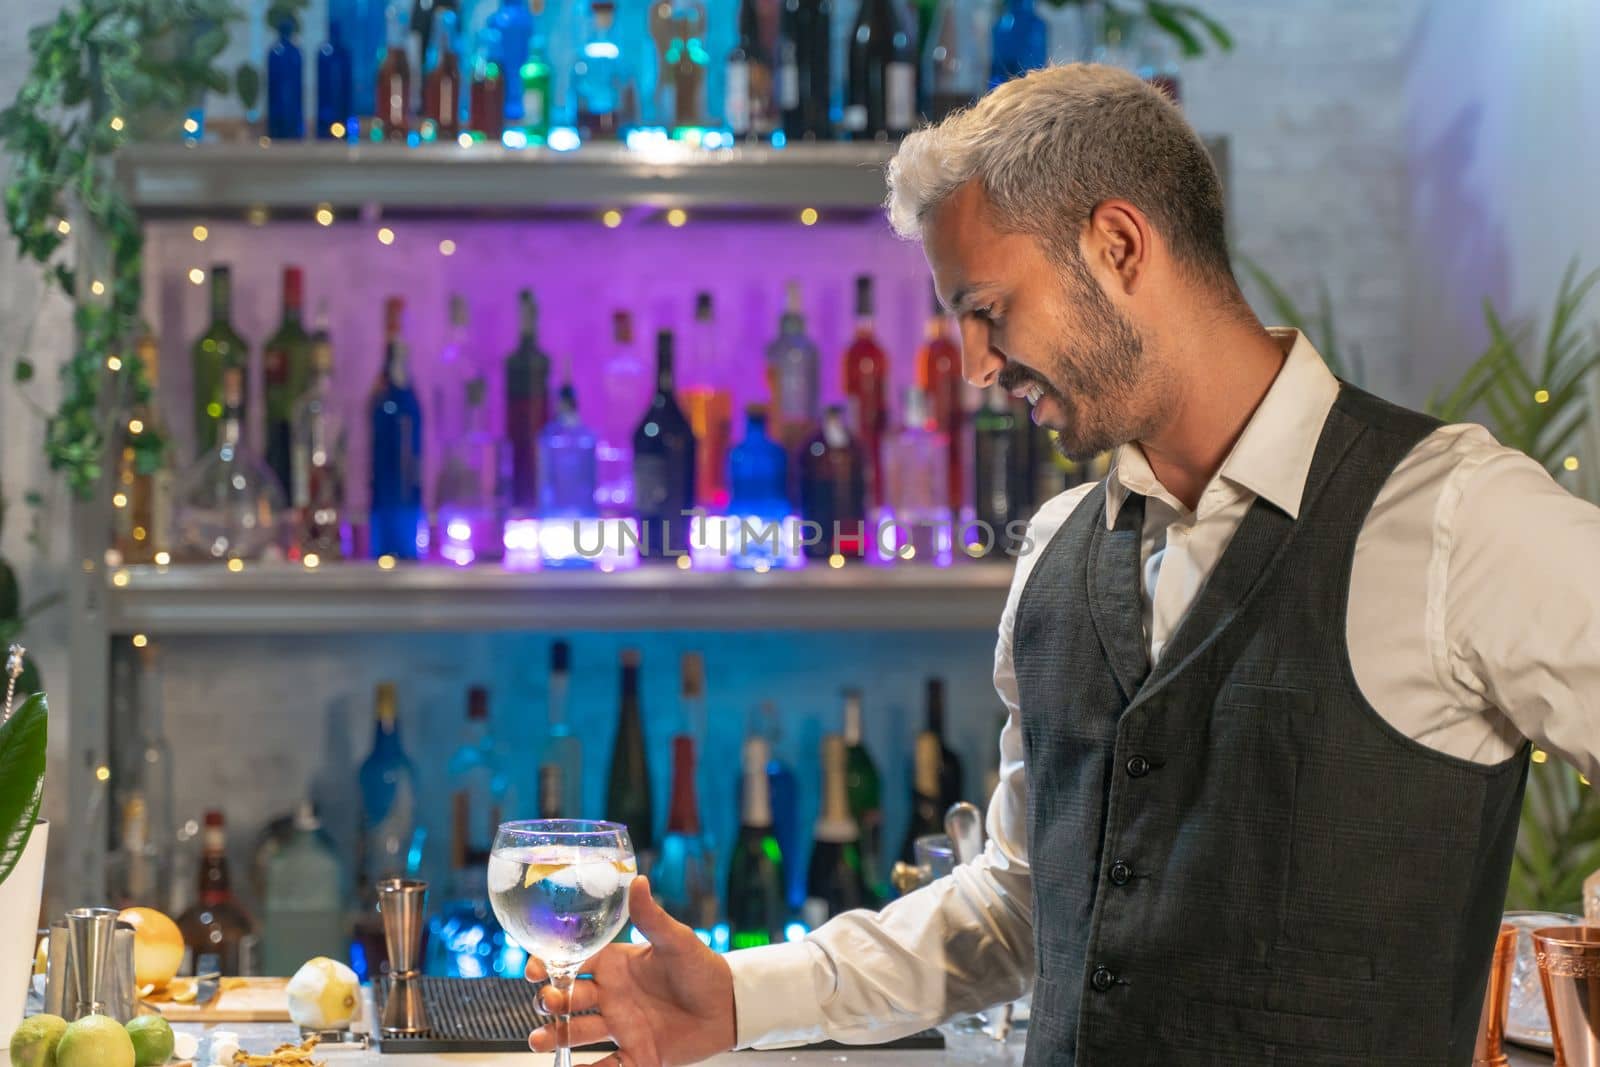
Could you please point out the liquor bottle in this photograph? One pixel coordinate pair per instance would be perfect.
(625, 384)
(218, 934)
(917, 484)
(286, 367)
(513, 28)
(599, 75)
(939, 377)
(756, 902)
(135, 866)
(864, 789)
(692, 697)
(1000, 472)
(567, 468)
(361, 25)
(465, 939)
(747, 106)
(804, 87)
(758, 471)
(709, 405)
(783, 793)
(393, 93)
(663, 465)
(950, 791)
(317, 456)
(441, 89)
(552, 792)
(335, 106)
(792, 374)
(143, 519)
(447, 415)
(832, 487)
(395, 418)
(563, 752)
(481, 791)
(835, 881)
(1019, 42)
(628, 797)
(685, 67)
(527, 376)
(388, 782)
(216, 350)
(468, 490)
(927, 812)
(537, 101)
(881, 96)
(228, 503)
(866, 385)
(685, 875)
(286, 104)
(486, 110)
(949, 77)
(303, 909)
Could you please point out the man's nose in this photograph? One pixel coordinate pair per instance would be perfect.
(980, 362)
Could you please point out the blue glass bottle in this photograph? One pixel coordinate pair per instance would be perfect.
(758, 477)
(598, 77)
(396, 420)
(1020, 42)
(334, 84)
(514, 23)
(567, 479)
(286, 102)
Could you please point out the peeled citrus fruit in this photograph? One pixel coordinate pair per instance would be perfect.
(95, 1041)
(157, 946)
(324, 994)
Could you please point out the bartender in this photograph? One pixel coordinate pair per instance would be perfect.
(1272, 685)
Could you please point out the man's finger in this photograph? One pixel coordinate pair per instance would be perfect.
(535, 971)
(584, 1030)
(585, 995)
(662, 930)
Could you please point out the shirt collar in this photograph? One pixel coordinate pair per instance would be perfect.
(1273, 455)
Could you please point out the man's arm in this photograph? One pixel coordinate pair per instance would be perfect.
(1521, 604)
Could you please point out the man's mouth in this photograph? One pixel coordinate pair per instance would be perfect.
(1030, 392)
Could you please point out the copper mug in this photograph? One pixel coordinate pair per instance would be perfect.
(1569, 969)
(1490, 1048)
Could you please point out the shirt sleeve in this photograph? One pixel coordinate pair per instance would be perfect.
(959, 945)
(1521, 604)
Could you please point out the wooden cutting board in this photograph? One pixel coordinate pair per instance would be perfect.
(238, 1000)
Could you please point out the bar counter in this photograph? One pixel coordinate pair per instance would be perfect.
(260, 1038)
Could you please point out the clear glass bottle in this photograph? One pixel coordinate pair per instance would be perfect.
(599, 75)
(154, 775)
(918, 487)
(792, 374)
(317, 456)
(527, 387)
(625, 383)
(468, 492)
(482, 793)
(567, 461)
(229, 502)
(563, 749)
(303, 909)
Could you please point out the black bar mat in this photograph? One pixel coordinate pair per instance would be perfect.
(498, 1014)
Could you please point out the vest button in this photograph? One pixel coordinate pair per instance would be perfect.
(1138, 767)
(1102, 979)
(1120, 873)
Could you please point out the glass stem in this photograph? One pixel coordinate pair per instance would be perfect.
(562, 982)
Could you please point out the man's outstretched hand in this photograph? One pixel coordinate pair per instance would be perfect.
(666, 1003)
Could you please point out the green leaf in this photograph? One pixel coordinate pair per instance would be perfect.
(1164, 16)
(24, 371)
(22, 761)
(1218, 32)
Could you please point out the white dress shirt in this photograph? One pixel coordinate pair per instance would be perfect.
(1473, 622)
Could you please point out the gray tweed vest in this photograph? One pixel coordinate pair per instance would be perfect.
(1236, 861)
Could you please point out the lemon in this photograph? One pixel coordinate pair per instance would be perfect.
(324, 994)
(41, 959)
(152, 1040)
(34, 1043)
(95, 1041)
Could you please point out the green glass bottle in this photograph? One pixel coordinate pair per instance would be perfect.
(756, 904)
(286, 366)
(865, 792)
(217, 350)
(535, 77)
(628, 796)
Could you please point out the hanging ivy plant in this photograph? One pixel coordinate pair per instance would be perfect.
(101, 72)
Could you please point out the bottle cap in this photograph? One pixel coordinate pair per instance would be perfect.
(560, 657)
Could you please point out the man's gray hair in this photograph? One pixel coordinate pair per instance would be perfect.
(1053, 145)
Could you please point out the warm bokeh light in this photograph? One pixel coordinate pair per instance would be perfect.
(677, 217)
(140, 640)
(200, 233)
(808, 217)
(197, 276)
(385, 236)
(447, 247)
(236, 565)
(612, 219)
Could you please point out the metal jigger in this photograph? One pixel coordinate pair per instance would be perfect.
(1489, 1050)
(91, 939)
(402, 903)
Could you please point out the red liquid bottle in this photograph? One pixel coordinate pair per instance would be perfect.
(487, 107)
(866, 385)
(441, 90)
(393, 95)
(939, 376)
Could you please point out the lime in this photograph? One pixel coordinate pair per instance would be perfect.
(34, 1043)
(152, 1040)
(95, 1041)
